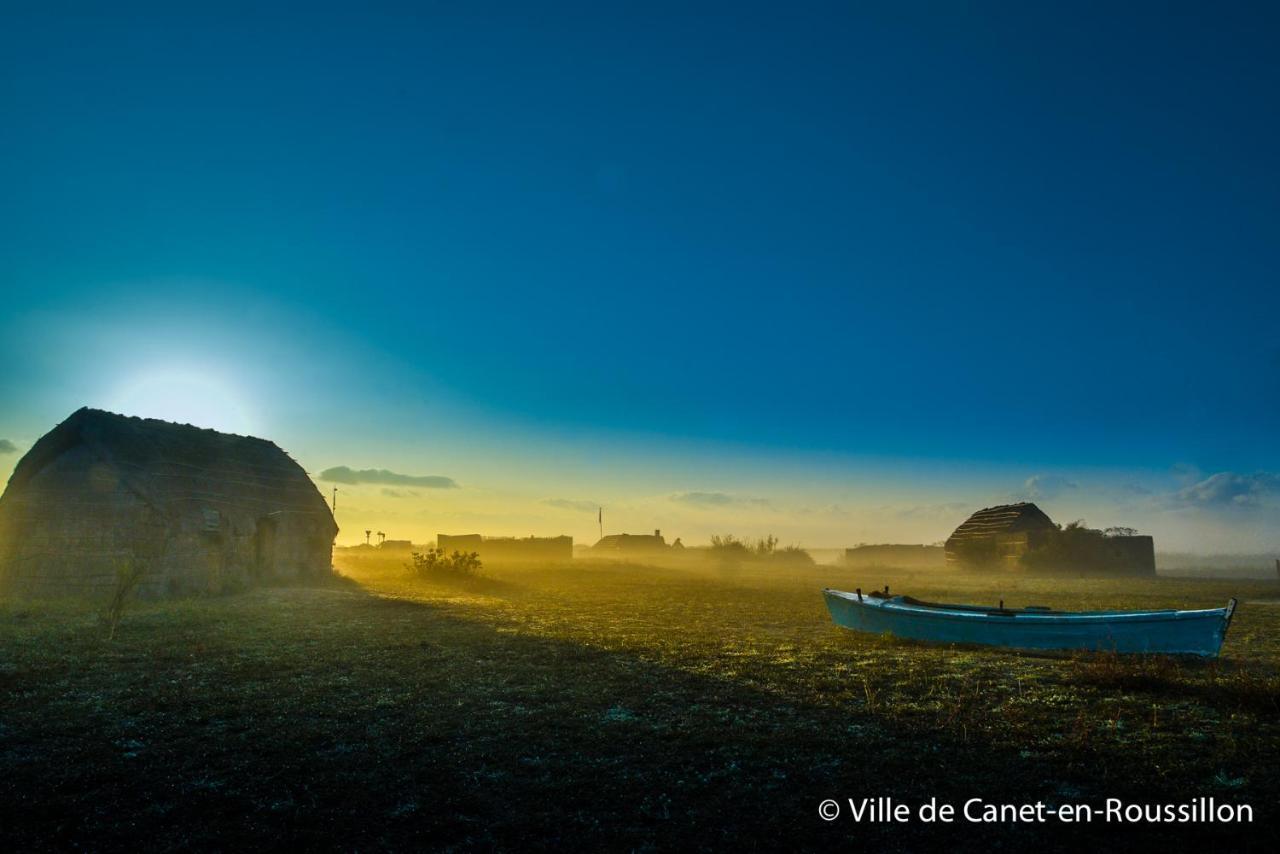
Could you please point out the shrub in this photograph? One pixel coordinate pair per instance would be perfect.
(766, 547)
(730, 550)
(435, 562)
(793, 554)
(128, 573)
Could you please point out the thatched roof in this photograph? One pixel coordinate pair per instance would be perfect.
(623, 542)
(178, 468)
(1002, 519)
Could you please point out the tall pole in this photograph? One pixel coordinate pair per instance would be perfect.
(600, 519)
(335, 499)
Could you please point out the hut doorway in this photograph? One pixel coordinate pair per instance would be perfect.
(264, 547)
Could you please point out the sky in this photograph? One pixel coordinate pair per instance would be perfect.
(839, 272)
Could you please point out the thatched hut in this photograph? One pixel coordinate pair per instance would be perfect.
(1001, 534)
(1023, 537)
(194, 510)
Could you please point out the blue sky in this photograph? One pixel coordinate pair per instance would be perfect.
(816, 259)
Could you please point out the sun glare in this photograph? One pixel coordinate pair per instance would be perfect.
(186, 397)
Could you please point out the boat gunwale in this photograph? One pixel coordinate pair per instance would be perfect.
(896, 605)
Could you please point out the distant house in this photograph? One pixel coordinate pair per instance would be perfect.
(626, 544)
(512, 549)
(903, 556)
(1023, 537)
(196, 510)
(396, 545)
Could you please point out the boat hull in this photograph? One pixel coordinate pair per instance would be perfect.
(1155, 632)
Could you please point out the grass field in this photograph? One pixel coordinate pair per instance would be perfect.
(610, 706)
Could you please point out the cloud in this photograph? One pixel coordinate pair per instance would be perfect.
(1228, 489)
(934, 512)
(1047, 485)
(571, 504)
(716, 499)
(834, 511)
(342, 474)
(397, 493)
(7, 447)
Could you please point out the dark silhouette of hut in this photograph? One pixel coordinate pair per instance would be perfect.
(193, 510)
(1022, 536)
(1001, 534)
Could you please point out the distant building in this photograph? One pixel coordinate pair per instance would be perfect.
(1023, 537)
(621, 544)
(904, 556)
(396, 545)
(508, 548)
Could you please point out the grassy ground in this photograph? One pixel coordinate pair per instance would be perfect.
(620, 707)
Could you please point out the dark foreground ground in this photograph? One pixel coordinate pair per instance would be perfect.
(611, 707)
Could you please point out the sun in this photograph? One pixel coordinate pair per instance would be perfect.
(186, 396)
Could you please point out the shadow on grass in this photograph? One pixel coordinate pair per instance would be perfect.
(1227, 685)
(363, 721)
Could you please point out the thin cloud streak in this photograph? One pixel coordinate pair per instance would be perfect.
(343, 474)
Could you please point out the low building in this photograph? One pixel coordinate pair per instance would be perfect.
(396, 545)
(1022, 537)
(628, 544)
(508, 549)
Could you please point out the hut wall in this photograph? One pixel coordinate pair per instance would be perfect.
(301, 549)
(73, 527)
(1010, 548)
(1131, 555)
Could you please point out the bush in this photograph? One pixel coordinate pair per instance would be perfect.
(128, 573)
(730, 551)
(434, 562)
(793, 554)
(766, 547)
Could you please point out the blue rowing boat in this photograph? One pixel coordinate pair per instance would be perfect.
(1170, 632)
